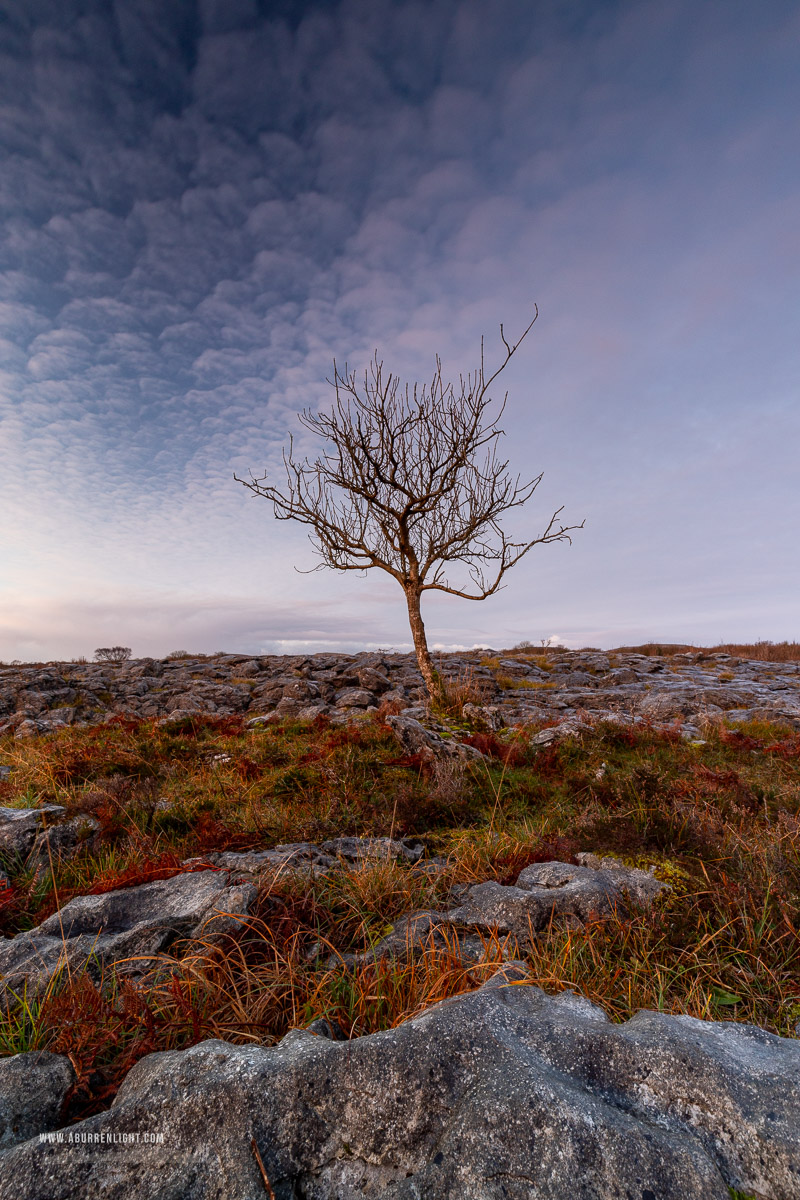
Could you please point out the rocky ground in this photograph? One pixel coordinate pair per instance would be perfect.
(501, 1092)
(524, 686)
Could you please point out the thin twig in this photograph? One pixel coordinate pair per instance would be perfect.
(264, 1176)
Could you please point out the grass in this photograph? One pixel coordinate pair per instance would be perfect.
(464, 688)
(719, 821)
(760, 651)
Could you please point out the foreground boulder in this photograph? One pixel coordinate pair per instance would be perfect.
(123, 927)
(33, 1088)
(503, 1093)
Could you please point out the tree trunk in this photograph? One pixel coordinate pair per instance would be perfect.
(421, 643)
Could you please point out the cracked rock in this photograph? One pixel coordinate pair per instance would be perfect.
(502, 1094)
(416, 739)
(545, 892)
(124, 927)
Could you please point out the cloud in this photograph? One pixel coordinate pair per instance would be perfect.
(204, 205)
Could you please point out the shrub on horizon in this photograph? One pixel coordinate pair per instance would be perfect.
(113, 654)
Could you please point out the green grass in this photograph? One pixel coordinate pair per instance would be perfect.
(720, 822)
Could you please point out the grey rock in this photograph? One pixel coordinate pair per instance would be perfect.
(555, 891)
(347, 852)
(261, 719)
(65, 839)
(555, 733)
(57, 718)
(354, 698)
(372, 680)
(19, 826)
(302, 690)
(28, 728)
(33, 1088)
(503, 1094)
(248, 669)
(312, 711)
(484, 716)
(579, 679)
(668, 705)
(177, 715)
(641, 886)
(416, 739)
(363, 849)
(293, 856)
(125, 927)
(544, 892)
(415, 933)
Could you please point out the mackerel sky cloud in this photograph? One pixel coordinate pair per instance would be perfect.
(205, 201)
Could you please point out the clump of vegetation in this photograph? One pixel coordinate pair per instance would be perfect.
(760, 651)
(464, 688)
(112, 654)
(719, 821)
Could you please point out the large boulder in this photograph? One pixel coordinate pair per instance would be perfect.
(125, 927)
(504, 1093)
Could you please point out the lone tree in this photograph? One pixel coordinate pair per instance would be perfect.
(410, 481)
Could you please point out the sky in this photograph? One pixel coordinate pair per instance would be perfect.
(205, 201)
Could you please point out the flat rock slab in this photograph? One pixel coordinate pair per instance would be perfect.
(348, 852)
(123, 927)
(372, 849)
(504, 1093)
(33, 1088)
(293, 856)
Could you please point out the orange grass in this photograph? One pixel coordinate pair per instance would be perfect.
(720, 822)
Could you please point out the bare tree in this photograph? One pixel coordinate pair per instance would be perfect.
(410, 481)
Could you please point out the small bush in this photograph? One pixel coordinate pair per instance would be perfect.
(113, 654)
